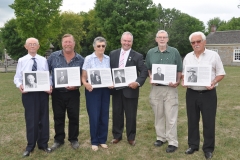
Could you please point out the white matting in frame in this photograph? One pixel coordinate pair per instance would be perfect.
(123, 76)
(100, 77)
(69, 76)
(36, 81)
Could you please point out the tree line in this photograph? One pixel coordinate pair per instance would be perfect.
(43, 20)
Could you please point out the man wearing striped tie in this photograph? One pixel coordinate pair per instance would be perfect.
(35, 103)
(125, 100)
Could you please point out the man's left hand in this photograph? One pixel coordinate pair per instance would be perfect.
(133, 85)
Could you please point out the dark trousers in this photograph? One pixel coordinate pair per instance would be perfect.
(205, 103)
(97, 103)
(62, 102)
(121, 105)
(37, 119)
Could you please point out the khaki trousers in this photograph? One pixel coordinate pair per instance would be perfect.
(164, 102)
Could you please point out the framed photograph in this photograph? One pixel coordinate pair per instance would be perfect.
(36, 81)
(123, 76)
(100, 77)
(197, 75)
(164, 73)
(69, 76)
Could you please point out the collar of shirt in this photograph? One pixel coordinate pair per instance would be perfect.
(157, 50)
(60, 53)
(94, 55)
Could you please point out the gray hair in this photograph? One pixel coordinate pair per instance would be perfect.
(127, 33)
(32, 38)
(197, 34)
(99, 39)
(161, 31)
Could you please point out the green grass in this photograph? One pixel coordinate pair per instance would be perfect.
(13, 139)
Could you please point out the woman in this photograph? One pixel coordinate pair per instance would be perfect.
(97, 99)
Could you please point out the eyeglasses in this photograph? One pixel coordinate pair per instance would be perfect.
(32, 44)
(103, 46)
(197, 42)
(162, 37)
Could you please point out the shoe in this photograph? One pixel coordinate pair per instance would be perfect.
(158, 143)
(55, 145)
(104, 146)
(115, 141)
(171, 149)
(47, 150)
(75, 144)
(94, 147)
(26, 153)
(190, 151)
(208, 155)
(132, 142)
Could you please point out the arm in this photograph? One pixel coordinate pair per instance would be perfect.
(215, 81)
(87, 85)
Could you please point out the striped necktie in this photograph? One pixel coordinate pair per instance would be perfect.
(121, 62)
(34, 67)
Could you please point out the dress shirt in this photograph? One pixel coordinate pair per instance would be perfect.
(169, 56)
(208, 57)
(125, 56)
(92, 61)
(57, 60)
(25, 63)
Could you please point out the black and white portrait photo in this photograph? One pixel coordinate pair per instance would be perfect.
(192, 77)
(159, 75)
(95, 77)
(62, 77)
(119, 76)
(30, 80)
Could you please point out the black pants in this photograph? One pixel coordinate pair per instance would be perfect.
(36, 118)
(62, 102)
(205, 103)
(121, 105)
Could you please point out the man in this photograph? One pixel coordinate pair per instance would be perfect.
(119, 78)
(158, 75)
(68, 98)
(93, 77)
(164, 98)
(125, 100)
(62, 79)
(202, 99)
(31, 82)
(35, 103)
(192, 77)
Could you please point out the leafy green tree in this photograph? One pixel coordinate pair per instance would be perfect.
(71, 23)
(39, 19)
(217, 22)
(92, 30)
(11, 40)
(118, 16)
(182, 26)
(232, 24)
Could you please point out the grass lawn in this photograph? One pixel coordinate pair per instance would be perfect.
(13, 139)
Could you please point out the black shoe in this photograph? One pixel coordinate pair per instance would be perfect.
(158, 143)
(47, 150)
(171, 149)
(190, 151)
(55, 146)
(26, 153)
(208, 155)
(75, 144)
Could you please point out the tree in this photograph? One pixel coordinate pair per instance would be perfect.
(217, 22)
(92, 30)
(118, 16)
(71, 23)
(39, 19)
(11, 39)
(180, 30)
(232, 24)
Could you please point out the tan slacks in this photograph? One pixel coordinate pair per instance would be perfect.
(164, 102)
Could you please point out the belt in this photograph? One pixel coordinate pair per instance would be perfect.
(200, 91)
(161, 85)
